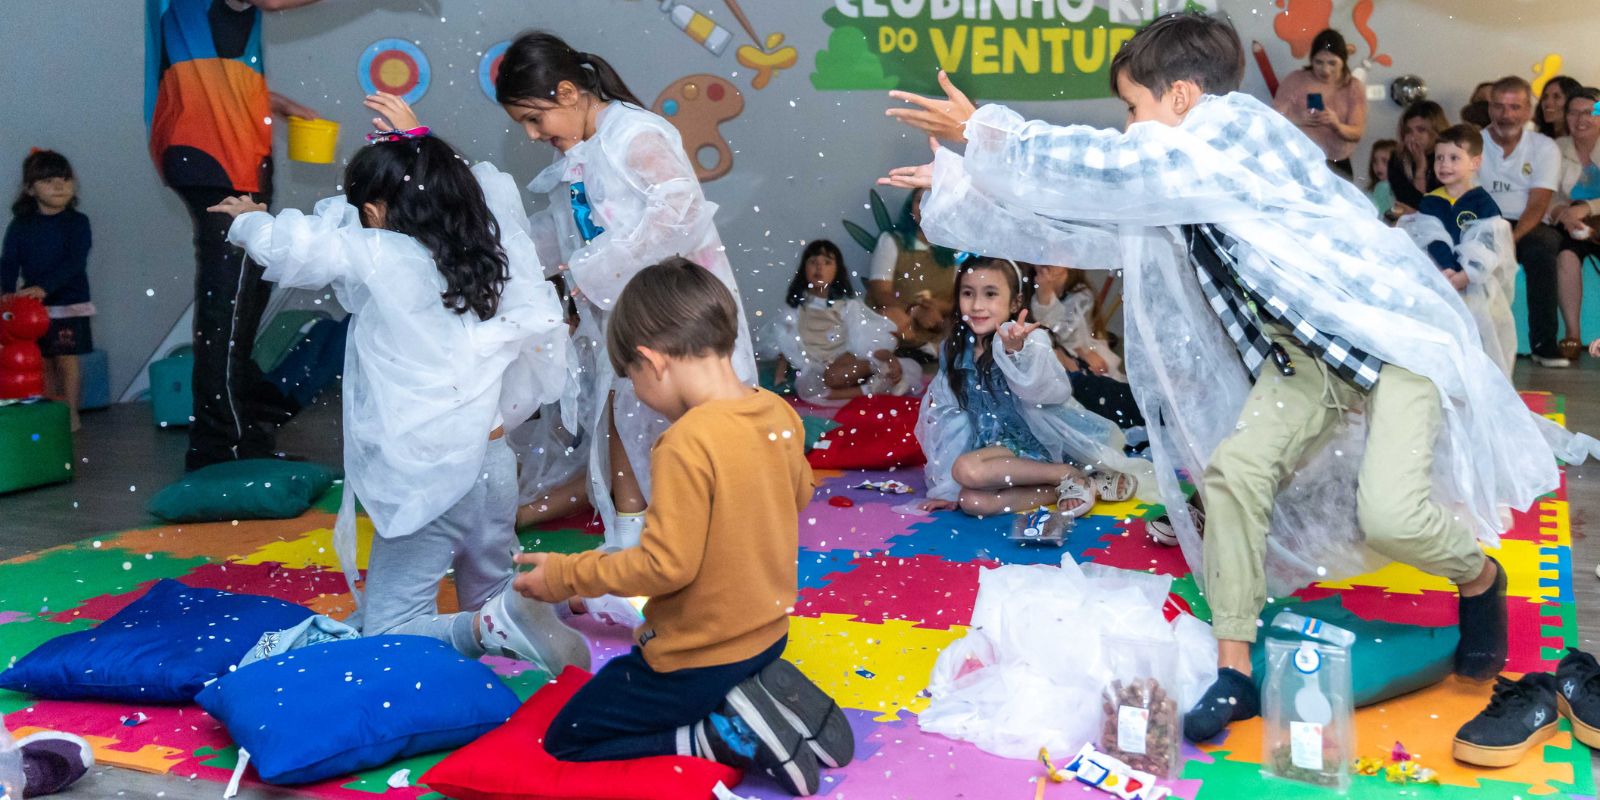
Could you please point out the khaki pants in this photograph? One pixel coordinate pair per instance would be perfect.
(1283, 418)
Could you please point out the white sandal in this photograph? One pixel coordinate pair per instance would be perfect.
(1113, 486)
(1072, 489)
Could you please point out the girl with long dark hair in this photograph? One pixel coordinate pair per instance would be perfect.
(839, 348)
(623, 196)
(999, 425)
(456, 338)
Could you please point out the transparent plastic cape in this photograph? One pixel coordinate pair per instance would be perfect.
(865, 332)
(1069, 432)
(1488, 254)
(1067, 319)
(423, 385)
(1102, 198)
(644, 194)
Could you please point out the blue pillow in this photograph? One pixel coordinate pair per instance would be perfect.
(341, 707)
(163, 648)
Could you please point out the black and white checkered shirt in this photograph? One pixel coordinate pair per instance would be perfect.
(1239, 305)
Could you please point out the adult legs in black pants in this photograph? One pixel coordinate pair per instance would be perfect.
(229, 297)
(1537, 253)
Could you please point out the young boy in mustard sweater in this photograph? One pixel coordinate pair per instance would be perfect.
(717, 558)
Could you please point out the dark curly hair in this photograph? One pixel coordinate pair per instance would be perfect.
(41, 165)
(428, 193)
(838, 290)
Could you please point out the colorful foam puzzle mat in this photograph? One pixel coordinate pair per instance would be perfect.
(883, 590)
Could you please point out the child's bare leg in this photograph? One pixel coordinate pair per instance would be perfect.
(560, 501)
(70, 382)
(52, 380)
(625, 491)
(986, 502)
(995, 469)
(1569, 289)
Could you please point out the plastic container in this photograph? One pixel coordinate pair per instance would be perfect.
(1041, 526)
(1141, 721)
(312, 140)
(1307, 708)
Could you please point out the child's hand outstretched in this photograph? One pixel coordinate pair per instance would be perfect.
(531, 584)
(1459, 280)
(942, 118)
(913, 177)
(396, 113)
(1594, 348)
(234, 206)
(1014, 334)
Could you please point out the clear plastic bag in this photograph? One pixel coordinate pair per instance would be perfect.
(1307, 704)
(11, 778)
(1142, 717)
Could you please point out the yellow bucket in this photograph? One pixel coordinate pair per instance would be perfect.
(312, 140)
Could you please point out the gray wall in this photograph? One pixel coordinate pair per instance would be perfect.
(73, 81)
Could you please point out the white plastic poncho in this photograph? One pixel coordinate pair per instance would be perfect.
(864, 332)
(1488, 254)
(423, 385)
(1033, 668)
(1067, 319)
(1068, 431)
(643, 192)
(1101, 198)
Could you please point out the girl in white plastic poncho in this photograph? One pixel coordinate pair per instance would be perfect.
(623, 196)
(1236, 241)
(456, 338)
(1062, 304)
(839, 348)
(999, 425)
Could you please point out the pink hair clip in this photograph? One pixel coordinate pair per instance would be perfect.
(396, 135)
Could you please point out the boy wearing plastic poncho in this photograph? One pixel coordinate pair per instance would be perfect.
(1460, 226)
(1270, 317)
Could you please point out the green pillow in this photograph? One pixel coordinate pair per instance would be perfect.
(815, 428)
(1389, 659)
(255, 488)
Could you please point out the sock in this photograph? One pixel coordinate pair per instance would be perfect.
(1233, 697)
(629, 528)
(1482, 651)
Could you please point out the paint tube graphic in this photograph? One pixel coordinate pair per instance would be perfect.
(698, 26)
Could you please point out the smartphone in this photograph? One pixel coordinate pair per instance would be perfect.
(1314, 102)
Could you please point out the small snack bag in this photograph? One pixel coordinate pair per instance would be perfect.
(1142, 721)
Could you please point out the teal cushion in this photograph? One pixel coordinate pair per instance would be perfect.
(815, 428)
(256, 488)
(1389, 659)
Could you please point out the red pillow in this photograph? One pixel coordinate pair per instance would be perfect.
(509, 763)
(874, 433)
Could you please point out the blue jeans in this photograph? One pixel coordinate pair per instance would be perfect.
(628, 710)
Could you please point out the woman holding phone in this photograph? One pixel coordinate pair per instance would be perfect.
(1326, 101)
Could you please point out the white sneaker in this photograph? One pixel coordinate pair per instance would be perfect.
(1551, 363)
(613, 610)
(514, 626)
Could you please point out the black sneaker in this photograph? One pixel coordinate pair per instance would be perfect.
(1233, 697)
(810, 711)
(781, 750)
(1578, 695)
(1482, 651)
(52, 761)
(1521, 715)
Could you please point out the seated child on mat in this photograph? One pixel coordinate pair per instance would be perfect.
(1471, 243)
(839, 348)
(456, 337)
(716, 558)
(1062, 303)
(999, 423)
